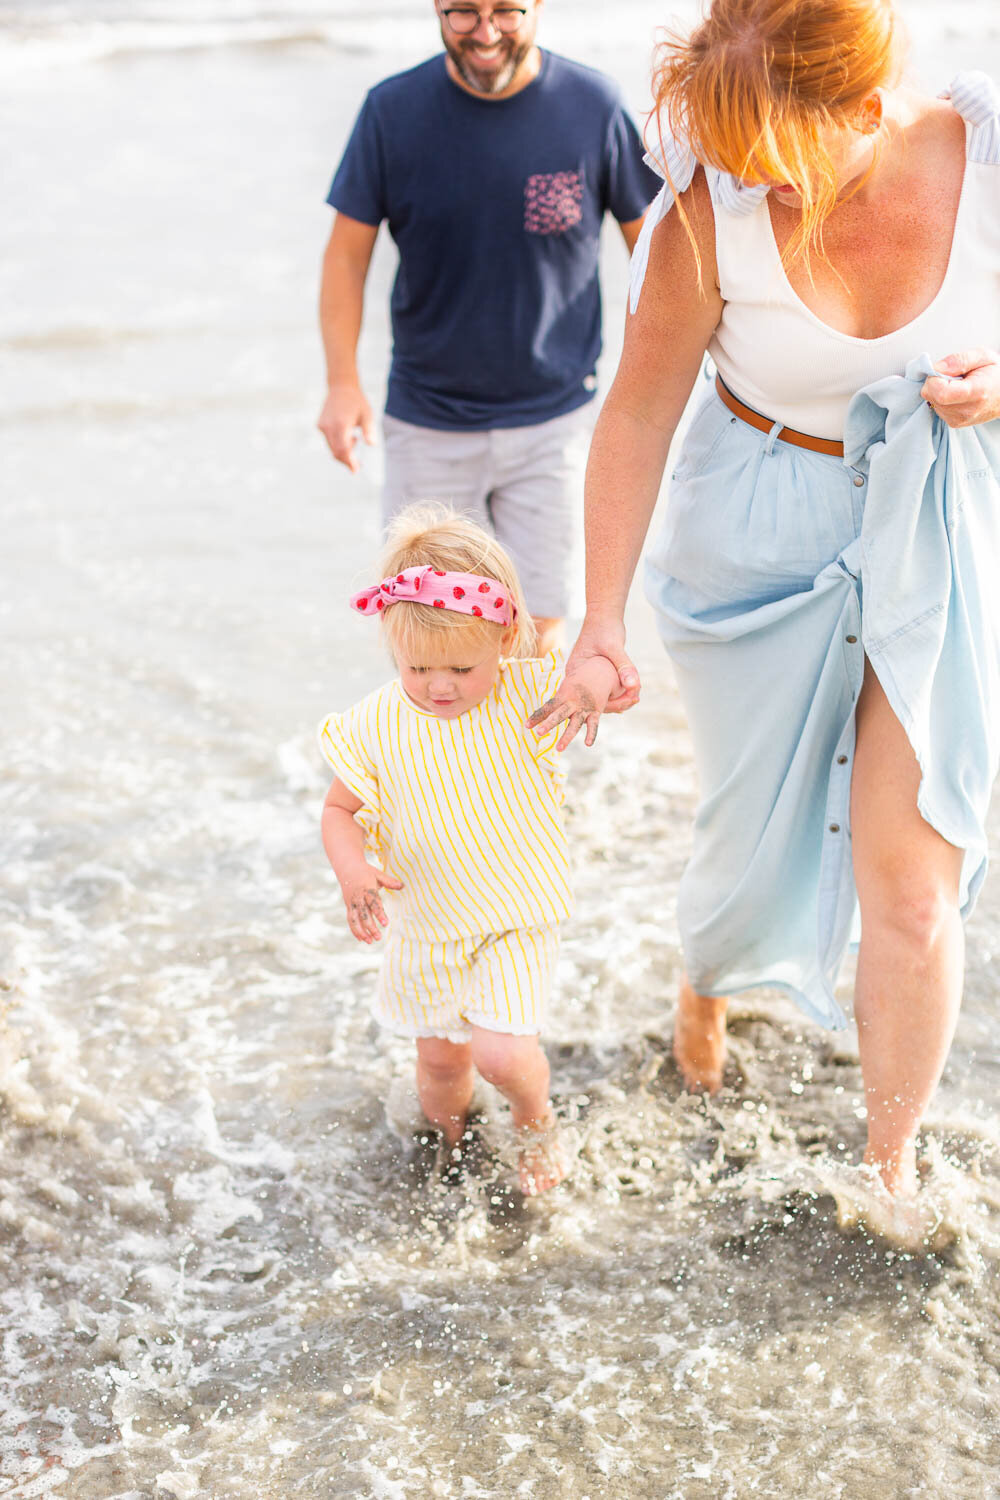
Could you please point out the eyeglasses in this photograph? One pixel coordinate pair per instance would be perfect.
(506, 18)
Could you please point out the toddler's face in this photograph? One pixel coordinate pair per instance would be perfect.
(457, 682)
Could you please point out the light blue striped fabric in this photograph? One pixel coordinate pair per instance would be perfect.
(778, 570)
(977, 100)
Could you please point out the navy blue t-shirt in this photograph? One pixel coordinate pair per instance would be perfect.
(495, 206)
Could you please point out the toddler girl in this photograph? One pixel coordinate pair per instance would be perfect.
(438, 777)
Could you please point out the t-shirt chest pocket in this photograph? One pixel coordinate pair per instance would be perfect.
(553, 202)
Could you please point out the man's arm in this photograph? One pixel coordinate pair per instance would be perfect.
(630, 232)
(341, 299)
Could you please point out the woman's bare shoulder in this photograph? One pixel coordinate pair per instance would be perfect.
(684, 241)
(931, 129)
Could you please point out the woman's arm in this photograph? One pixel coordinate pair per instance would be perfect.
(665, 341)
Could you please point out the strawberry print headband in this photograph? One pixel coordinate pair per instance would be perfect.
(465, 593)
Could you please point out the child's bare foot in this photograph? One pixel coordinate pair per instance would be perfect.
(700, 1039)
(542, 1159)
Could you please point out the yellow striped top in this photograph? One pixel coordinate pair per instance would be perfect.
(466, 811)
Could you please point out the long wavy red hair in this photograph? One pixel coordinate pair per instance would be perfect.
(759, 84)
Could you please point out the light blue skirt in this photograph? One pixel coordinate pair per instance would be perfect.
(758, 580)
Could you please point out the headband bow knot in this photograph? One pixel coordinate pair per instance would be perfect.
(464, 593)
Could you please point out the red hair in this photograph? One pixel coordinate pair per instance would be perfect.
(756, 86)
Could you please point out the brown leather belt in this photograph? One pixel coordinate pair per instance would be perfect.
(764, 424)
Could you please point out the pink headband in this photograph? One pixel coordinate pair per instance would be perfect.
(465, 593)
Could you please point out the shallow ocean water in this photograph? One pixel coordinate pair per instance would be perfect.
(227, 1262)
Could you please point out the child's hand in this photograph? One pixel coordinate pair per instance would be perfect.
(599, 678)
(365, 912)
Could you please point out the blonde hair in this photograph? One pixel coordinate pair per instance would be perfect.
(436, 535)
(758, 83)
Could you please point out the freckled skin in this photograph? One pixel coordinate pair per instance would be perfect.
(887, 246)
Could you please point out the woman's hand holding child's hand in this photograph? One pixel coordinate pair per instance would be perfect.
(599, 679)
(360, 890)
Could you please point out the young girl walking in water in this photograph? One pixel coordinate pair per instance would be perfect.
(437, 776)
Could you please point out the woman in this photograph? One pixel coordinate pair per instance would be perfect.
(820, 227)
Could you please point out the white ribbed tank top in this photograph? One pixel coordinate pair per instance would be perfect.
(784, 361)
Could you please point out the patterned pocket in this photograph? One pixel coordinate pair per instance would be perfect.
(553, 202)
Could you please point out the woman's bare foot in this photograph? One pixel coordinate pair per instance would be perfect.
(911, 1220)
(542, 1159)
(700, 1039)
(897, 1169)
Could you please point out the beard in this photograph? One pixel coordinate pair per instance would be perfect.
(484, 80)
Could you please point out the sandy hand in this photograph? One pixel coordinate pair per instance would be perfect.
(599, 679)
(365, 912)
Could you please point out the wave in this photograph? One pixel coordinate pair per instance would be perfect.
(35, 34)
(32, 36)
(84, 336)
(122, 409)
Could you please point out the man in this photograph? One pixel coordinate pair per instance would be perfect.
(494, 165)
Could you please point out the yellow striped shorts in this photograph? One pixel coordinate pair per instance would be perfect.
(499, 981)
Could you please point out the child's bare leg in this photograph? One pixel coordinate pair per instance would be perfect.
(445, 1081)
(517, 1066)
(700, 1039)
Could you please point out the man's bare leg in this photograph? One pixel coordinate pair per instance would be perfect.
(700, 1039)
(550, 634)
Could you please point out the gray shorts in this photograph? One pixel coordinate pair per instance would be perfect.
(525, 484)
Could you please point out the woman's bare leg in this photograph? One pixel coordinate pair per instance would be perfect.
(910, 965)
(700, 1039)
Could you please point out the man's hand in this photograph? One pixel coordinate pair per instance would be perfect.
(345, 411)
(365, 912)
(599, 678)
(972, 395)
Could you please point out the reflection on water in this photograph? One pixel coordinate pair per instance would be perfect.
(229, 1263)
